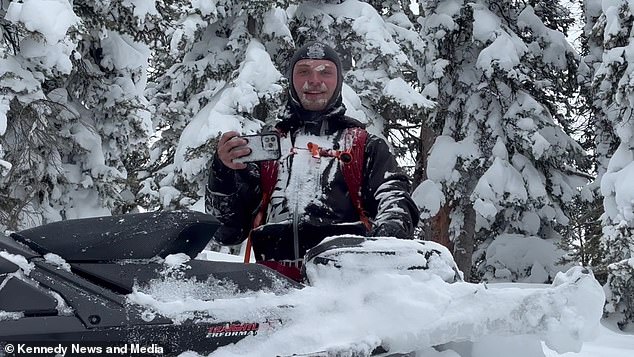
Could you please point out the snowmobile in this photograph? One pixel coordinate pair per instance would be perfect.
(102, 259)
(106, 257)
(71, 281)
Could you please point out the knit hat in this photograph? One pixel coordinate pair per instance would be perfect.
(317, 50)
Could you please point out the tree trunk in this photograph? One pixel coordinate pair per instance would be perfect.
(439, 227)
(463, 245)
(427, 139)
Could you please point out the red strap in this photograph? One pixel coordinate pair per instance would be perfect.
(292, 272)
(354, 143)
(268, 178)
(247, 252)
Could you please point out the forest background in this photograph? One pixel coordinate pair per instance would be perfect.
(519, 141)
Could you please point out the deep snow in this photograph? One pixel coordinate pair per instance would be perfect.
(404, 310)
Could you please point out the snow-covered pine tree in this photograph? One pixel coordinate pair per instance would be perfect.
(35, 59)
(230, 77)
(583, 236)
(112, 86)
(71, 111)
(501, 73)
(610, 46)
(581, 239)
(222, 78)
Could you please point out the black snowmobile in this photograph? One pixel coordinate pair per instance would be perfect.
(67, 282)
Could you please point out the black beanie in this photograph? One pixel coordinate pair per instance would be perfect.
(317, 50)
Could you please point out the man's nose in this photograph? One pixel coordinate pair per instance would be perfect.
(314, 77)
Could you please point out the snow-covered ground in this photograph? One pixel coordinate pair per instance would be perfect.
(404, 310)
(609, 342)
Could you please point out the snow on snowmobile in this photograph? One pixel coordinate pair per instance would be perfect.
(95, 280)
(68, 281)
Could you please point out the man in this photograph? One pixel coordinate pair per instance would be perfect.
(310, 200)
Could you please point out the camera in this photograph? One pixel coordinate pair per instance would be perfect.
(263, 147)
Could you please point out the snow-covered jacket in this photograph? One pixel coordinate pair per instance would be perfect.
(310, 200)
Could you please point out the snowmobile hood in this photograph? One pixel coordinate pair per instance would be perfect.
(133, 236)
(12, 247)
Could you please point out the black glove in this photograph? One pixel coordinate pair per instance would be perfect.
(389, 229)
(226, 235)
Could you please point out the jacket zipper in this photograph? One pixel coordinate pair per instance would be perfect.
(296, 229)
(296, 208)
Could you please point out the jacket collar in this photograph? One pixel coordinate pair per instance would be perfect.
(332, 119)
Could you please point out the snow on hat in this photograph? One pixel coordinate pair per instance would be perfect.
(317, 50)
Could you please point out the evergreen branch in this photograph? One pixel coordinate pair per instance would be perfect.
(9, 36)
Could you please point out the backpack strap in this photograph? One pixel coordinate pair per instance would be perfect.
(354, 143)
(268, 178)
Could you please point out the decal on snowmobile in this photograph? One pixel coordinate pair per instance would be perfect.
(230, 330)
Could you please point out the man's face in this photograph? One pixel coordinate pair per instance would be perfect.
(315, 81)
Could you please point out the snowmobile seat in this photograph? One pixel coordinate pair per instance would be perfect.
(131, 236)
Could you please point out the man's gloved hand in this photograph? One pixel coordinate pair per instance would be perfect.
(389, 229)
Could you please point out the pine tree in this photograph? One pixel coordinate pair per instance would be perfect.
(217, 51)
(77, 124)
(609, 44)
(34, 117)
(501, 73)
(581, 239)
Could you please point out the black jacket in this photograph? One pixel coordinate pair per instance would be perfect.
(302, 212)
